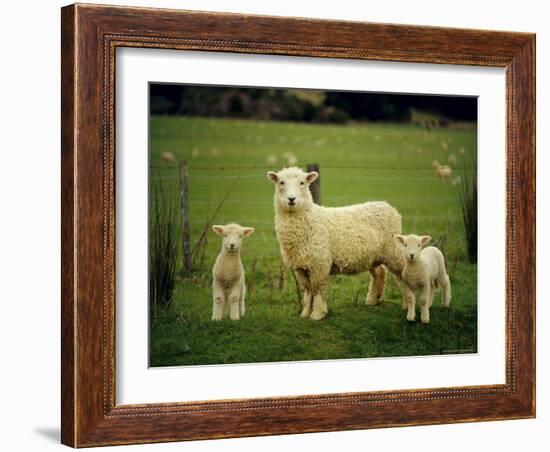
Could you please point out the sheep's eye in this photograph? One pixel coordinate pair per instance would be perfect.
(240, 236)
(302, 183)
(282, 182)
(225, 235)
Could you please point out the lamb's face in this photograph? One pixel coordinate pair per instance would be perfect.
(292, 188)
(412, 244)
(232, 235)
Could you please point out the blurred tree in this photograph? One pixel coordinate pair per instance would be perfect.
(305, 105)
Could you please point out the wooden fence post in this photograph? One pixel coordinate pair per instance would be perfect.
(185, 229)
(315, 187)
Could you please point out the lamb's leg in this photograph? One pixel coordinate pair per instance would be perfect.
(218, 301)
(445, 284)
(425, 296)
(241, 300)
(404, 304)
(307, 300)
(234, 298)
(432, 294)
(376, 285)
(411, 303)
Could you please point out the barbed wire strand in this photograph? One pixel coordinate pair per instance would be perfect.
(267, 168)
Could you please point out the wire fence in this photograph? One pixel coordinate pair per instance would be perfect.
(415, 209)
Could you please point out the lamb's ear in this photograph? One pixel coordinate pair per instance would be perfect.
(272, 176)
(248, 231)
(400, 239)
(425, 239)
(218, 229)
(312, 176)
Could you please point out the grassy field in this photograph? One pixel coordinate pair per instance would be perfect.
(358, 163)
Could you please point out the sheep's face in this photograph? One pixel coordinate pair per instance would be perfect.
(412, 244)
(292, 188)
(232, 235)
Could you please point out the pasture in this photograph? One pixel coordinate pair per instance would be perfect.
(358, 163)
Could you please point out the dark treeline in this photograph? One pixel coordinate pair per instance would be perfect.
(308, 105)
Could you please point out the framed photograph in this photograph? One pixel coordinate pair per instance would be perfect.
(282, 225)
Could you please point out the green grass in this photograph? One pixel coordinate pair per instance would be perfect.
(358, 163)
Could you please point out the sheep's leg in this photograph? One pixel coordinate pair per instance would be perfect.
(318, 281)
(411, 303)
(234, 298)
(376, 285)
(218, 301)
(320, 308)
(425, 296)
(395, 264)
(307, 299)
(445, 284)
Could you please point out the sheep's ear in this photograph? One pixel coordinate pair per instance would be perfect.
(400, 239)
(312, 176)
(248, 231)
(218, 229)
(425, 239)
(272, 176)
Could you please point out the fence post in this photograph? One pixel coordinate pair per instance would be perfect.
(185, 229)
(315, 187)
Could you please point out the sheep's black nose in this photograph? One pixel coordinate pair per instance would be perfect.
(231, 245)
(291, 199)
(412, 256)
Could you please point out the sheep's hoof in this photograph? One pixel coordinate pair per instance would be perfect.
(305, 313)
(372, 300)
(315, 315)
(425, 318)
(404, 306)
(411, 317)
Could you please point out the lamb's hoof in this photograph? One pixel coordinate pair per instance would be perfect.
(235, 318)
(425, 318)
(315, 315)
(305, 313)
(411, 317)
(216, 319)
(404, 306)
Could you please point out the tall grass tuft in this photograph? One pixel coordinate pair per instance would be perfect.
(468, 204)
(163, 247)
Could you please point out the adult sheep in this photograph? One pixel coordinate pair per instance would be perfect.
(317, 241)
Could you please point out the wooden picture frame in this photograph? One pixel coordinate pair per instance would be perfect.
(90, 36)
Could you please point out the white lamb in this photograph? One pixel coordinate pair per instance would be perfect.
(228, 285)
(317, 241)
(425, 271)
